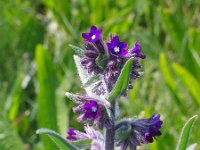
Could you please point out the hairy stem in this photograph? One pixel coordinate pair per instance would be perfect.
(110, 133)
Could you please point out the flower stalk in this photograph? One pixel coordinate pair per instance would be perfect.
(110, 132)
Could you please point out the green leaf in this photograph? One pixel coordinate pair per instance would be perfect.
(79, 51)
(191, 83)
(46, 81)
(122, 81)
(170, 81)
(184, 137)
(62, 109)
(62, 143)
(15, 98)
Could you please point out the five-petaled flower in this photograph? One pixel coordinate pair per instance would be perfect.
(94, 35)
(116, 47)
(88, 110)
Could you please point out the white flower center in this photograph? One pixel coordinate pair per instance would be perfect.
(116, 49)
(94, 108)
(93, 37)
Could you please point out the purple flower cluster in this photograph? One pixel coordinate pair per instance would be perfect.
(108, 58)
(142, 131)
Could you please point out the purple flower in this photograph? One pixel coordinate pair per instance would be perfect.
(89, 110)
(74, 135)
(92, 110)
(141, 131)
(107, 60)
(136, 50)
(90, 133)
(94, 35)
(71, 134)
(116, 47)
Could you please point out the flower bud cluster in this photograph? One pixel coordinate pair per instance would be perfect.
(108, 57)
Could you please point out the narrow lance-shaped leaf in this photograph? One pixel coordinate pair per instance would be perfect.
(46, 80)
(170, 81)
(122, 81)
(191, 83)
(184, 137)
(57, 139)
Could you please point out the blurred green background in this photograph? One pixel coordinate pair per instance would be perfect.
(36, 65)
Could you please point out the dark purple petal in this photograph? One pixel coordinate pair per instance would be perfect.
(115, 40)
(71, 134)
(86, 35)
(123, 52)
(136, 50)
(71, 131)
(123, 45)
(93, 29)
(116, 47)
(94, 35)
(92, 110)
(109, 45)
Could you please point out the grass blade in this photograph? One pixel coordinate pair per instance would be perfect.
(46, 93)
(184, 137)
(170, 81)
(190, 82)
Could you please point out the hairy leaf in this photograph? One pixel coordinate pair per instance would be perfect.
(122, 81)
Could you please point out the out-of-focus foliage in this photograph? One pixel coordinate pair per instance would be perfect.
(37, 68)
